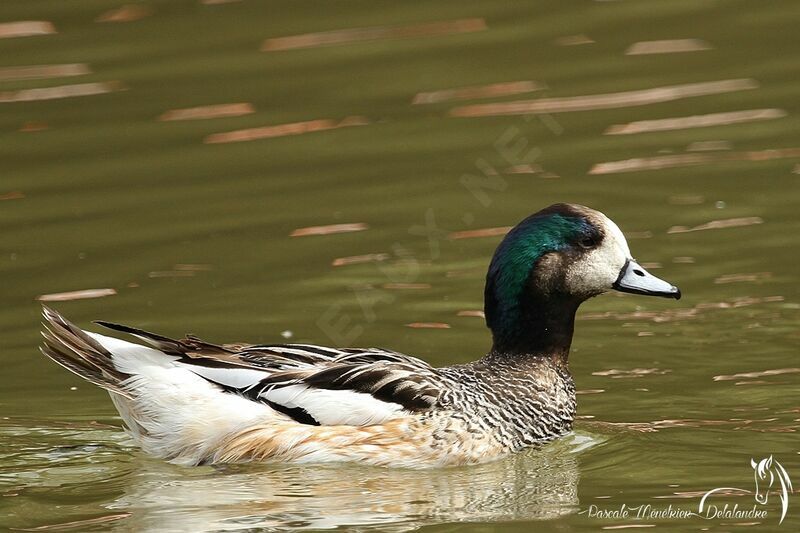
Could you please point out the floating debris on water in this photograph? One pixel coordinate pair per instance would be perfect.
(181, 270)
(480, 91)
(282, 130)
(476, 233)
(574, 40)
(758, 374)
(13, 195)
(428, 325)
(709, 146)
(356, 259)
(671, 315)
(41, 72)
(687, 160)
(170, 274)
(632, 373)
(406, 286)
(667, 46)
(695, 121)
(126, 13)
(193, 267)
(477, 313)
(742, 301)
(208, 111)
(26, 28)
(329, 230)
(651, 163)
(640, 97)
(748, 277)
(523, 169)
(352, 35)
(76, 295)
(718, 224)
(466, 273)
(683, 259)
(63, 91)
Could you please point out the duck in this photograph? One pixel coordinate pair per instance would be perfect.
(192, 402)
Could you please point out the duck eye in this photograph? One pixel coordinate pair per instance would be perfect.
(588, 242)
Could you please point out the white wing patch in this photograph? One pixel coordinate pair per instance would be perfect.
(327, 406)
(131, 358)
(334, 407)
(237, 378)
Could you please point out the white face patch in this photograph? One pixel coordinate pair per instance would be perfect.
(599, 268)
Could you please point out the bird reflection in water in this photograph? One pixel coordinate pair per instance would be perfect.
(538, 484)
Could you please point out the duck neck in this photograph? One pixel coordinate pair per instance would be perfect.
(538, 327)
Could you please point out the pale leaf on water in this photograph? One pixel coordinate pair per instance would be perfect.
(26, 28)
(476, 233)
(282, 130)
(639, 97)
(356, 259)
(329, 230)
(63, 91)
(40, 72)
(709, 146)
(13, 195)
(744, 277)
(208, 111)
(718, 224)
(757, 374)
(695, 121)
(574, 40)
(76, 295)
(667, 46)
(126, 13)
(493, 90)
(374, 33)
(689, 160)
(632, 373)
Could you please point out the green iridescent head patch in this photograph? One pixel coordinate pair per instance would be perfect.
(516, 257)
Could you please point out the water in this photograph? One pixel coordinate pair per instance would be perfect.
(98, 193)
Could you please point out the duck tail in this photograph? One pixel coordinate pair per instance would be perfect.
(75, 350)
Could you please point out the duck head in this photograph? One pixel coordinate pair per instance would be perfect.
(546, 266)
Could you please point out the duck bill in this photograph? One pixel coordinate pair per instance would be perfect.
(635, 279)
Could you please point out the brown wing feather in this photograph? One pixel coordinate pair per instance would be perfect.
(387, 376)
(72, 348)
